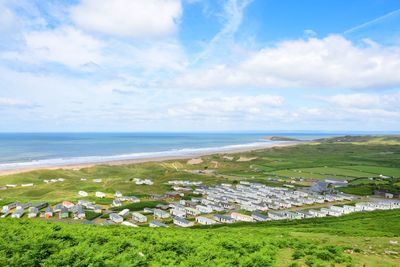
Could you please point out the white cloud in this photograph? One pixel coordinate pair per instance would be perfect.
(132, 18)
(226, 106)
(16, 103)
(232, 16)
(156, 55)
(7, 19)
(365, 101)
(65, 45)
(331, 62)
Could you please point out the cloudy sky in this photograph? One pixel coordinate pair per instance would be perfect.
(199, 65)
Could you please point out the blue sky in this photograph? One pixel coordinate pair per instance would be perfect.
(199, 65)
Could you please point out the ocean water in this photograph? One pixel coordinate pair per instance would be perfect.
(24, 150)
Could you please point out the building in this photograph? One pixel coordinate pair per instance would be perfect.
(68, 205)
(223, 218)
(241, 217)
(160, 214)
(116, 203)
(276, 215)
(157, 224)
(204, 209)
(41, 205)
(192, 211)
(83, 194)
(178, 213)
(148, 210)
(48, 213)
(182, 222)
(291, 215)
(131, 199)
(205, 221)
(305, 214)
(32, 212)
(18, 213)
(97, 209)
(116, 218)
(124, 212)
(79, 213)
(322, 187)
(118, 194)
(57, 208)
(260, 217)
(129, 224)
(100, 194)
(139, 181)
(8, 207)
(138, 217)
(63, 213)
(337, 182)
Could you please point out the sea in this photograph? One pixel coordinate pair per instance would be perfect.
(30, 150)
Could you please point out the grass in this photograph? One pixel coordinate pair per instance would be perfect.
(90, 215)
(360, 239)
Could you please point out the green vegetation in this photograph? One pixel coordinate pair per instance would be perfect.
(353, 240)
(90, 215)
(382, 140)
(281, 138)
(138, 206)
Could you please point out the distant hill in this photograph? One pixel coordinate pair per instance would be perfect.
(386, 139)
(280, 138)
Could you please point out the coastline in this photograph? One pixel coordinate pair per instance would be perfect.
(79, 166)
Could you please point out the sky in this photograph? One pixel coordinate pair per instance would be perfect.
(199, 65)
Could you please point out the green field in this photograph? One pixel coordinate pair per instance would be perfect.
(362, 239)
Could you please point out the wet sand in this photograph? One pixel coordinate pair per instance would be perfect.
(149, 159)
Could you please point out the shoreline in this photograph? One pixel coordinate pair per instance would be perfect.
(191, 155)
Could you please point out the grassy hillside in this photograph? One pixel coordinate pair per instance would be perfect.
(388, 140)
(354, 240)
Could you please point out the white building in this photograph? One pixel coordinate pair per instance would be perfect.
(205, 220)
(157, 224)
(160, 214)
(124, 212)
(116, 203)
(100, 194)
(116, 218)
(241, 217)
(136, 216)
(83, 194)
(129, 224)
(182, 222)
(32, 213)
(179, 213)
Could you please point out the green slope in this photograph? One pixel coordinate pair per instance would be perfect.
(352, 240)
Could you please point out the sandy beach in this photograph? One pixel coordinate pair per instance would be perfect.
(149, 159)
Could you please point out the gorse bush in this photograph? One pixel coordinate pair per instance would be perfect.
(38, 243)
